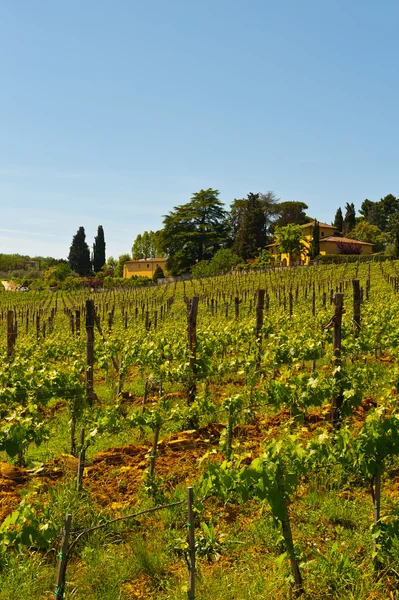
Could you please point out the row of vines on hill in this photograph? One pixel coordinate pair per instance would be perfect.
(302, 340)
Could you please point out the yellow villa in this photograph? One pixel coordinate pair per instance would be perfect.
(145, 267)
(330, 244)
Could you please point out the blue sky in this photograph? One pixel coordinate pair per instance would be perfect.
(114, 112)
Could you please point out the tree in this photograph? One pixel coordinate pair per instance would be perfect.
(137, 248)
(393, 233)
(364, 232)
(251, 226)
(222, 262)
(349, 219)
(111, 262)
(158, 274)
(390, 206)
(269, 204)
(194, 231)
(146, 245)
(348, 248)
(315, 249)
(290, 239)
(99, 250)
(263, 260)
(379, 213)
(118, 270)
(79, 254)
(292, 212)
(57, 274)
(339, 220)
(366, 208)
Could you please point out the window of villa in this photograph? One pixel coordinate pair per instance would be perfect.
(148, 266)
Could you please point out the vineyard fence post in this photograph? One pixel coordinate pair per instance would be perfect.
(63, 559)
(191, 543)
(337, 340)
(89, 351)
(81, 459)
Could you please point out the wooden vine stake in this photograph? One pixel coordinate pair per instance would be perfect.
(63, 559)
(89, 351)
(81, 460)
(11, 333)
(192, 311)
(191, 543)
(236, 307)
(336, 322)
(153, 456)
(77, 320)
(287, 535)
(356, 305)
(377, 504)
(260, 304)
(146, 389)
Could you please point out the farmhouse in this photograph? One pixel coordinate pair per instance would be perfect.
(330, 244)
(145, 267)
(32, 264)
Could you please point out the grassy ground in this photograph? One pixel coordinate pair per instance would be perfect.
(241, 554)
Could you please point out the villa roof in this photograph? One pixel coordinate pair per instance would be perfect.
(335, 238)
(325, 225)
(135, 260)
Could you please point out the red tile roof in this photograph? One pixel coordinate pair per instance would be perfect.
(325, 225)
(335, 238)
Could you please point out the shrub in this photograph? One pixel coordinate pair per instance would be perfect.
(158, 274)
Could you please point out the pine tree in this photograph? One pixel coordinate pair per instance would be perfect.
(79, 254)
(339, 220)
(99, 250)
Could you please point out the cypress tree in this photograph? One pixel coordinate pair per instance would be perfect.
(79, 254)
(316, 240)
(339, 220)
(251, 227)
(99, 250)
(350, 218)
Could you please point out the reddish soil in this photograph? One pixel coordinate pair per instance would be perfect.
(114, 476)
(12, 479)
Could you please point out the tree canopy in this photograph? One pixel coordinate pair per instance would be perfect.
(251, 225)
(220, 263)
(364, 232)
(147, 245)
(339, 220)
(79, 254)
(290, 239)
(292, 212)
(379, 213)
(194, 231)
(99, 250)
(315, 248)
(349, 219)
(118, 270)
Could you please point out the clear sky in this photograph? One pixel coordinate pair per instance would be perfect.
(112, 113)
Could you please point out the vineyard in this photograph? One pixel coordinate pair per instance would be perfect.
(234, 437)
